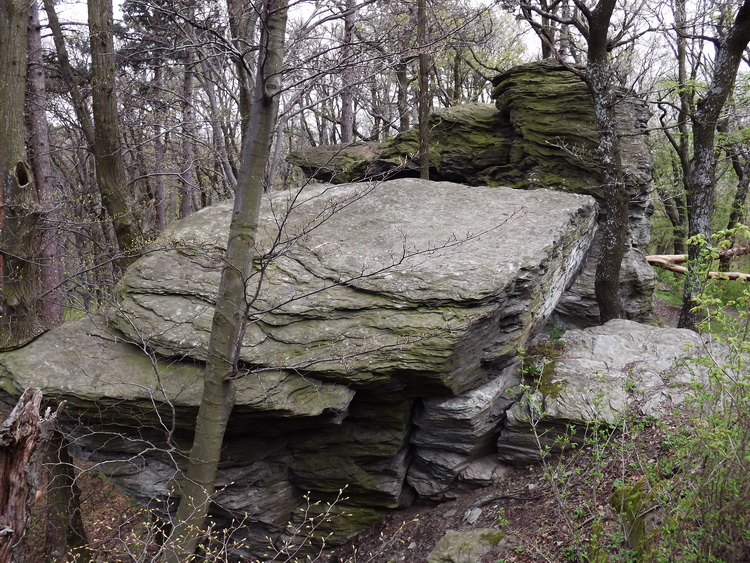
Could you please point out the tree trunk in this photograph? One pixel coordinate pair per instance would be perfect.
(243, 16)
(729, 51)
(741, 165)
(347, 74)
(220, 145)
(160, 198)
(424, 92)
(615, 231)
(110, 169)
(402, 103)
(49, 305)
(19, 209)
(599, 77)
(188, 180)
(19, 469)
(65, 530)
(63, 59)
(232, 305)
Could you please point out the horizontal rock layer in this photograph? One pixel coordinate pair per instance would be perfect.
(415, 287)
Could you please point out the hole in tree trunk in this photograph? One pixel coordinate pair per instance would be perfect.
(22, 174)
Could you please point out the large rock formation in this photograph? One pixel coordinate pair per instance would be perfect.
(540, 133)
(378, 357)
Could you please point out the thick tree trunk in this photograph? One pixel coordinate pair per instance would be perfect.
(50, 305)
(729, 50)
(19, 469)
(19, 209)
(615, 207)
(232, 304)
(110, 169)
(599, 77)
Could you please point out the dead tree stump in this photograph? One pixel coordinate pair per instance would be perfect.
(19, 436)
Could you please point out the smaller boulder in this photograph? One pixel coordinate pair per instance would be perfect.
(465, 547)
(601, 373)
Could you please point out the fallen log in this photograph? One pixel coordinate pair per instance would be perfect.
(671, 262)
(680, 258)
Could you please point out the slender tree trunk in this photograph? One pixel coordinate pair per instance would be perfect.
(273, 168)
(402, 102)
(77, 99)
(424, 92)
(347, 75)
(232, 306)
(675, 210)
(65, 530)
(160, 198)
(682, 143)
(219, 143)
(242, 20)
(50, 303)
(188, 180)
(377, 120)
(741, 165)
(729, 50)
(107, 147)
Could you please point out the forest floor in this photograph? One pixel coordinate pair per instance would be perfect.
(541, 512)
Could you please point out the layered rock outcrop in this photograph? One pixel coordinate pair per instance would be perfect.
(540, 133)
(378, 357)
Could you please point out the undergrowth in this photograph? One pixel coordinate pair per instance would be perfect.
(690, 500)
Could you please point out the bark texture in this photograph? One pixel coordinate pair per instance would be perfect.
(19, 209)
(49, 303)
(424, 92)
(19, 438)
(110, 169)
(599, 77)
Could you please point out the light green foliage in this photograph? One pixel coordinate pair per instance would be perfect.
(709, 493)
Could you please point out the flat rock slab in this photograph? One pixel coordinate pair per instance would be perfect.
(90, 366)
(420, 288)
(601, 373)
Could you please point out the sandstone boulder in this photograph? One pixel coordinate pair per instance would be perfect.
(382, 338)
